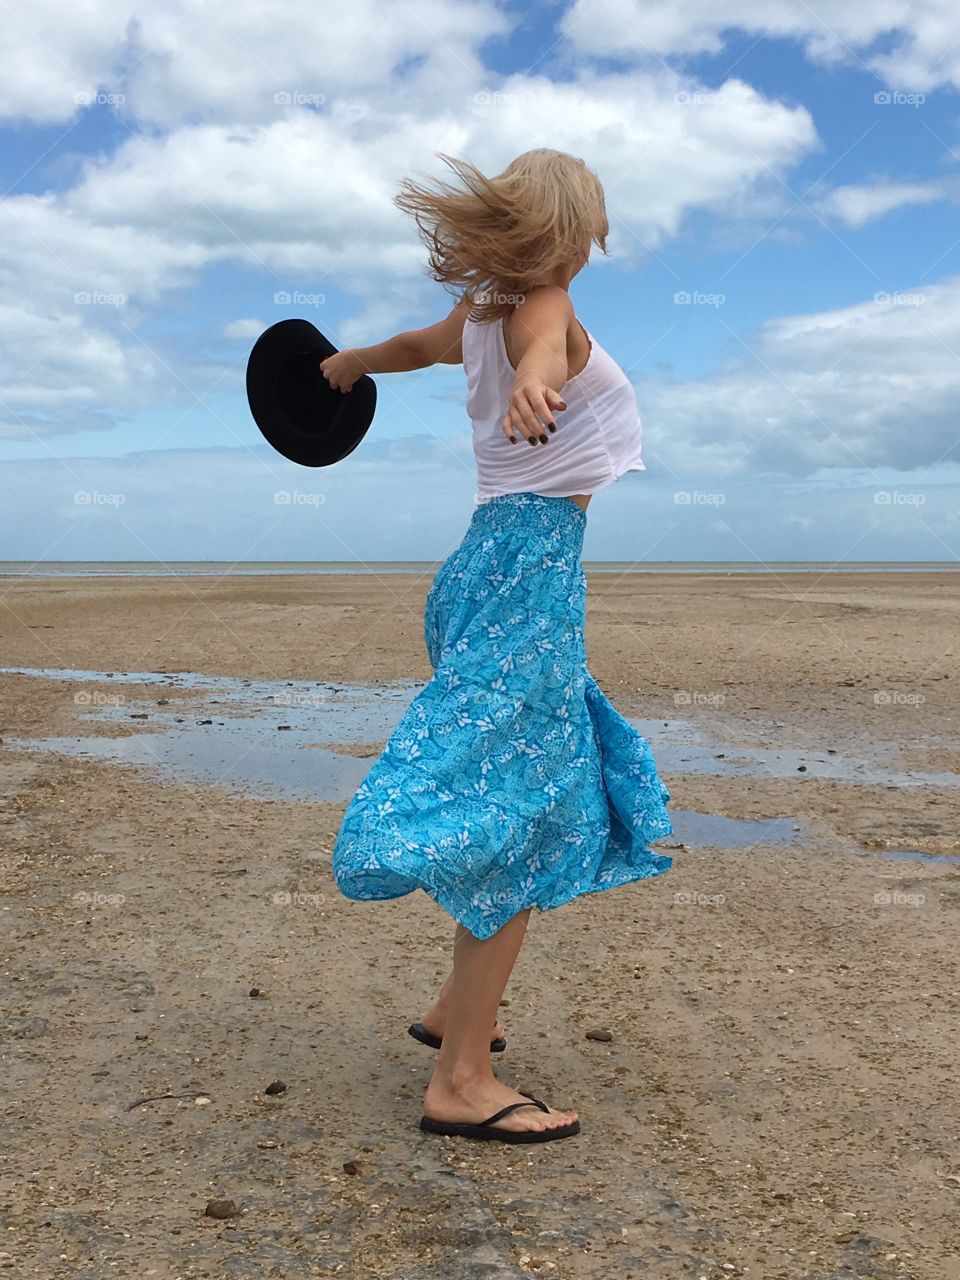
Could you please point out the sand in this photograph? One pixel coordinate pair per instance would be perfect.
(778, 1099)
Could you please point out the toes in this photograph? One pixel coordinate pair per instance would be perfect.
(562, 1118)
(542, 1122)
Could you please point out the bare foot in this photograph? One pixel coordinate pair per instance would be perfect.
(436, 1022)
(472, 1104)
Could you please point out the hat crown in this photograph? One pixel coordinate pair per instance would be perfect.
(293, 404)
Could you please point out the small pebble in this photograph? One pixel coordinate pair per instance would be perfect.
(276, 1086)
(599, 1033)
(221, 1209)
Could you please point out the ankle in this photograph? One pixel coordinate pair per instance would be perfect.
(461, 1078)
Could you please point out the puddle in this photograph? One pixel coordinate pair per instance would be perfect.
(233, 739)
(244, 761)
(354, 712)
(357, 712)
(682, 747)
(710, 830)
(911, 855)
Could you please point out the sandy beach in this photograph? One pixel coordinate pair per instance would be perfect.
(777, 1096)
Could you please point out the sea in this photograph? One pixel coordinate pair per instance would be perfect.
(276, 568)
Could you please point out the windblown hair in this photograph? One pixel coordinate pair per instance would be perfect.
(493, 240)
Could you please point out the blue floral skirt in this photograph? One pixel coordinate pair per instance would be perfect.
(511, 781)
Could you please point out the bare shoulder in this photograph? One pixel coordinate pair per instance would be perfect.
(547, 303)
(544, 318)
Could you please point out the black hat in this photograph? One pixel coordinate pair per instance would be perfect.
(293, 404)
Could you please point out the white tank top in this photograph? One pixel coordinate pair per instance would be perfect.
(597, 437)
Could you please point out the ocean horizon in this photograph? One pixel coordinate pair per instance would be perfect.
(274, 568)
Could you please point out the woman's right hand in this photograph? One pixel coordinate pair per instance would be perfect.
(531, 407)
(342, 369)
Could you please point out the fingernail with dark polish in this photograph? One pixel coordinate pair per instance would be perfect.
(552, 426)
(543, 439)
(513, 439)
(531, 439)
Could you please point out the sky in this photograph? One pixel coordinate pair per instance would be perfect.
(782, 284)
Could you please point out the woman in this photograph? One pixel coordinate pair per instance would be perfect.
(511, 782)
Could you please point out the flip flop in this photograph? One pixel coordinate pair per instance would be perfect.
(420, 1032)
(485, 1129)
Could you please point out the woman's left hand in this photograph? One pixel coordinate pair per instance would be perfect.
(341, 370)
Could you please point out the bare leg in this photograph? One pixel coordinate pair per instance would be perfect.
(435, 1020)
(463, 1086)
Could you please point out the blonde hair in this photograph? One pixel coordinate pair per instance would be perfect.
(493, 240)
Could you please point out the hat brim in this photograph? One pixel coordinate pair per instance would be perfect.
(296, 409)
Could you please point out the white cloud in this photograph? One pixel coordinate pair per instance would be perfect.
(64, 376)
(314, 193)
(244, 330)
(857, 204)
(225, 60)
(921, 37)
(872, 385)
(55, 53)
(175, 61)
(306, 202)
(156, 507)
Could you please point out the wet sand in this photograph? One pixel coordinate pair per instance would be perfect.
(777, 1097)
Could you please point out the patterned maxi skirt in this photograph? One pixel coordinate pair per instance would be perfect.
(511, 781)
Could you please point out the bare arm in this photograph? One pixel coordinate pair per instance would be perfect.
(439, 343)
(538, 332)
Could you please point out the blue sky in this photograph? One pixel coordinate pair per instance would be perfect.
(793, 173)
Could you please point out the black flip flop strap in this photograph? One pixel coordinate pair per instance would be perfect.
(535, 1102)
